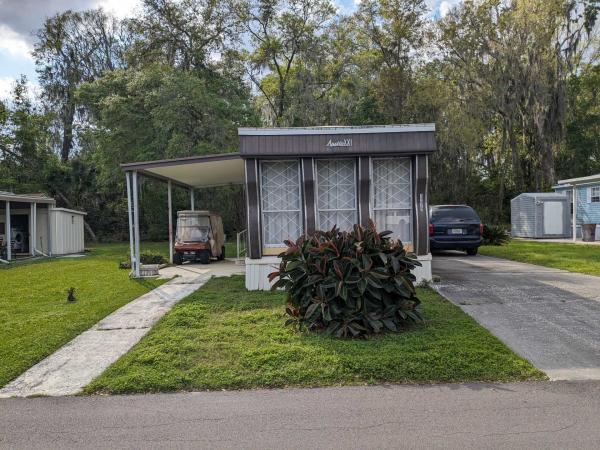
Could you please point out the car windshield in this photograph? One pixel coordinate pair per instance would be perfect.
(454, 214)
(193, 228)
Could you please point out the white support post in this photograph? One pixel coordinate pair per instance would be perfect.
(33, 228)
(50, 227)
(192, 199)
(136, 225)
(170, 204)
(130, 217)
(8, 233)
(574, 213)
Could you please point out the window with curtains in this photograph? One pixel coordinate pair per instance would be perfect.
(336, 193)
(391, 189)
(281, 202)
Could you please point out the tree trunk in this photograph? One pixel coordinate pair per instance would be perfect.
(67, 141)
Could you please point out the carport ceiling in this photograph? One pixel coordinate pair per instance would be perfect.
(195, 171)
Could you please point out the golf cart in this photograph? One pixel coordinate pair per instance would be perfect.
(199, 237)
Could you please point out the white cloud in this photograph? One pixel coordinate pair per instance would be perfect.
(7, 85)
(446, 6)
(14, 43)
(119, 8)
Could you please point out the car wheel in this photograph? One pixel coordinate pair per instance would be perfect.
(472, 251)
(178, 259)
(204, 257)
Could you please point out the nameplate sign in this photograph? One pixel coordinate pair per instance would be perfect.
(339, 143)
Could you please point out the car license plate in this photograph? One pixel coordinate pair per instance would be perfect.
(456, 231)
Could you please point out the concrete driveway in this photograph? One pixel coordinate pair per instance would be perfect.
(550, 317)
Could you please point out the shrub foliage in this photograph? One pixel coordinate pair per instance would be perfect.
(495, 235)
(348, 284)
(152, 258)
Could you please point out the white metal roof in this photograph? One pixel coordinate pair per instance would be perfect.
(291, 131)
(581, 180)
(25, 198)
(542, 194)
(70, 211)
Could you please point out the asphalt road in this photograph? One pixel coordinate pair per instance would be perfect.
(548, 415)
(550, 317)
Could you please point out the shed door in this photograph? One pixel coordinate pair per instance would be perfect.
(553, 218)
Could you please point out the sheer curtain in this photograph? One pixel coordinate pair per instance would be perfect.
(392, 196)
(281, 202)
(336, 193)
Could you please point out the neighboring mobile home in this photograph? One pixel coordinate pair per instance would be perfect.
(298, 180)
(35, 227)
(586, 192)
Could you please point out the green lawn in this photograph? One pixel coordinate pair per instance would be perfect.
(572, 257)
(35, 317)
(224, 337)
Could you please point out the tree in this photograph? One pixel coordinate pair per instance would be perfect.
(72, 48)
(392, 34)
(281, 32)
(581, 153)
(156, 112)
(184, 34)
(518, 55)
(24, 142)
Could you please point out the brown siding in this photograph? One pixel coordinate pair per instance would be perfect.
(253, 210)
(364, 185)
(316, 144)
(421, 220)
(308, 195)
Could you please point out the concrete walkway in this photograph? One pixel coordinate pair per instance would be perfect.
(72, 367)
(550, 317)
(543, 415)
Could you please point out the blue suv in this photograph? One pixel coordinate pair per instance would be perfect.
(455, 227)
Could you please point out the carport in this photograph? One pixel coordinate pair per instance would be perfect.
(188, 173)
(26, 206)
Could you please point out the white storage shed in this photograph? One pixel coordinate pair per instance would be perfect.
(67, 231)
(540, 215)
(31, 225)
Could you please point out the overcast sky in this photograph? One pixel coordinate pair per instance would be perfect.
(20, 18)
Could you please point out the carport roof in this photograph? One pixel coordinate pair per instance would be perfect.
(25, 198)
(194, 171)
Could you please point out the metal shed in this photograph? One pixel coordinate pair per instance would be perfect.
(540, 215)
(67, 231)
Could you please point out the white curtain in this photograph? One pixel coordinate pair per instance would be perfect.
(392, 196)
(336, 193)
(281, 202)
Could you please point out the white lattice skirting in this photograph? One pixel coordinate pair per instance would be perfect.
(258, 270)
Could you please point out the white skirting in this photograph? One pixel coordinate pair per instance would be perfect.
(258, 270)
(423, 273)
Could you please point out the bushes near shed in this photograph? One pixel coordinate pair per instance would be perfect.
(495, 235)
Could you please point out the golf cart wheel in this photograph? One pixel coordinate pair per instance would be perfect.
(472, 251)
(204, 257)
(222, 256)
(178, 259)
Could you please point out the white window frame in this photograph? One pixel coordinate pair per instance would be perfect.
(265, 244)
(316, 180)
(411, 206)
(595, 198)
